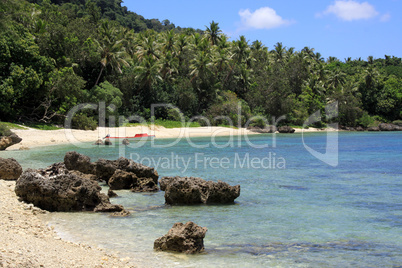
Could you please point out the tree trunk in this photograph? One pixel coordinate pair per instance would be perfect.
(100, 74)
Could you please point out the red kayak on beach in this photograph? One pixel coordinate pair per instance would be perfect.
(142, 135)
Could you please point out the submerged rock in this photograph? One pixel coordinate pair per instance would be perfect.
(187, 238)
(190, 190)
(57, 189)
(10, 169)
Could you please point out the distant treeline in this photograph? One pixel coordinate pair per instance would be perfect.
(57, 54)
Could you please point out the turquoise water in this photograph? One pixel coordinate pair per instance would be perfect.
(293, 211)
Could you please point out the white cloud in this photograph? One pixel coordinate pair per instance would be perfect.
(386, 17)
(351, 10)
(263, 18)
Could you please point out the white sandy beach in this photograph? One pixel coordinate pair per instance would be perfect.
(34, 138)
(26, 241)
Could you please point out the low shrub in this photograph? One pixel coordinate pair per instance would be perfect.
(84, 122)
(397, 122)
(5, 130)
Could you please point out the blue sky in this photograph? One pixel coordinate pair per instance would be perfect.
(341, 28)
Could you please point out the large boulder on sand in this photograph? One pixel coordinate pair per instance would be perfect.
(80, 162)
(187, 238)
(7, 141)
(286, 129)
(10, 169)
(189, 191)
(57, 189)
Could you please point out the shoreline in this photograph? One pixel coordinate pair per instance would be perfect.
(27, 241)
(32, 138)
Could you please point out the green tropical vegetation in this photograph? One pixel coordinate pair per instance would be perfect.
(57, 54)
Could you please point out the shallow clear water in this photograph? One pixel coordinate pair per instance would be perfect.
(293, 211)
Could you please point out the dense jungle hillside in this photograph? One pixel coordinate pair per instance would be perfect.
(57, 54)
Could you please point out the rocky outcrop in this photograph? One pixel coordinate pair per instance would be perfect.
(190, 191)
(105, 169)
(7, 141)
(10, 169)
(122, 180)
(286, 129)
(267, 129)
(389, 127)
(57, 189)
(373, 129)
(119, 174)
(381, 127)
(186, 238)
(80, 162)
(126, 174)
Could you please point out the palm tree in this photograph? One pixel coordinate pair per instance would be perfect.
(370, 60)
(244, 78)
(278, 52)
(337, 78)
(240, 53)
(213, 33)
(181, 43)
(169, 65)
(332, 60)
(148, 72)
(200, 66)
(168, 41)
(147, 47)
(111, 50)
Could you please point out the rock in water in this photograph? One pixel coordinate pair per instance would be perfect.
(108, 142)
(122, 180)
(190, 191)
(126, 142)
(10, 169)
(111, 193)
(187, 238)
(119, 174)
(126, 174)
(80, 162)
(98, 142)
(57, 189)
